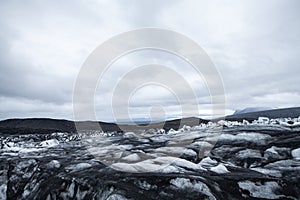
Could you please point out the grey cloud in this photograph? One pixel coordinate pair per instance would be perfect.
(254, 45)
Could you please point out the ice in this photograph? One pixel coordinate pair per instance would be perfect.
(208, 162)
(172, 131)
(168, 169)
(131, 158)
(53, 164)
(144, 185)
(161, 131)
(171, 158)
(245, 122)
(161, 164)
(196, 186)
(296, 154)
(285, 165)
(144, 166)
(160, 138)
(249, 153)
(81, 166)
(49, 143)
(170, 150)
(272, 150)
(219, 169)
(276, 152)
(3, 189)
(185, 128)
(268, 172)
(247, 136)
(116, 197)
(189, 152)
(263, 120)
(258, 190)
(28, 150)
(179, 162)
(129, 134)
(202, 147)
(78, 167)
(25, 194)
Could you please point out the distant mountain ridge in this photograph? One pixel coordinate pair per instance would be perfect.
(46, 125)
(275, 113)
(251, 109)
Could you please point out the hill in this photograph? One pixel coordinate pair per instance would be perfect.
(275, 113)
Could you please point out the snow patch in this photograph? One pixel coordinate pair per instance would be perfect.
(131, 158)
(53, 164)
(268, 172)
(208, 162)
(49, 143)
(78, 167)
(3, 189)
(219, 169)
(196, 186)
(296, 154)
(253, 136)
(259, 190)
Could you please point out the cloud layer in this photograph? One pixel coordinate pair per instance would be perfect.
(254, 45)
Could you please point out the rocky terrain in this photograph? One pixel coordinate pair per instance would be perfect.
(223, 160)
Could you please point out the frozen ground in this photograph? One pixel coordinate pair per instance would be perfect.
(224, 160)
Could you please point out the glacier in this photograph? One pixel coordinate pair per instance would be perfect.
(217, 160)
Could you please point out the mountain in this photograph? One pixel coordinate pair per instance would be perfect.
(252, 109)
(275, 113)
(46, 125)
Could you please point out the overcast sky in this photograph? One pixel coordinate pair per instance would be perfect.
(254, 44)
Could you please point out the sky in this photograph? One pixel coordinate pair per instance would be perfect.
(254, 45)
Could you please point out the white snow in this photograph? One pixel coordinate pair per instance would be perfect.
(269, 172)
(164, 164)
(263, 120)
(144, 166)
(170, 150)
(131, 158)
(160, 138)
(185, 128)
(28, 150)
(53, 164)
(145, 185)
(249, 153)
(272, 150)
(49, 143)
(193, 186)
(81, 166)
(172, 131)
(276, 152)
(116, 197)
(129, 134)
(179, 162)
(189, 152)
(219, 169)
(168, 169)
(78, 167)
(3, 189)
(201, 144)
(285, 165)
(248, 136)
(208, 162)
(296, 154)
(258, 190)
